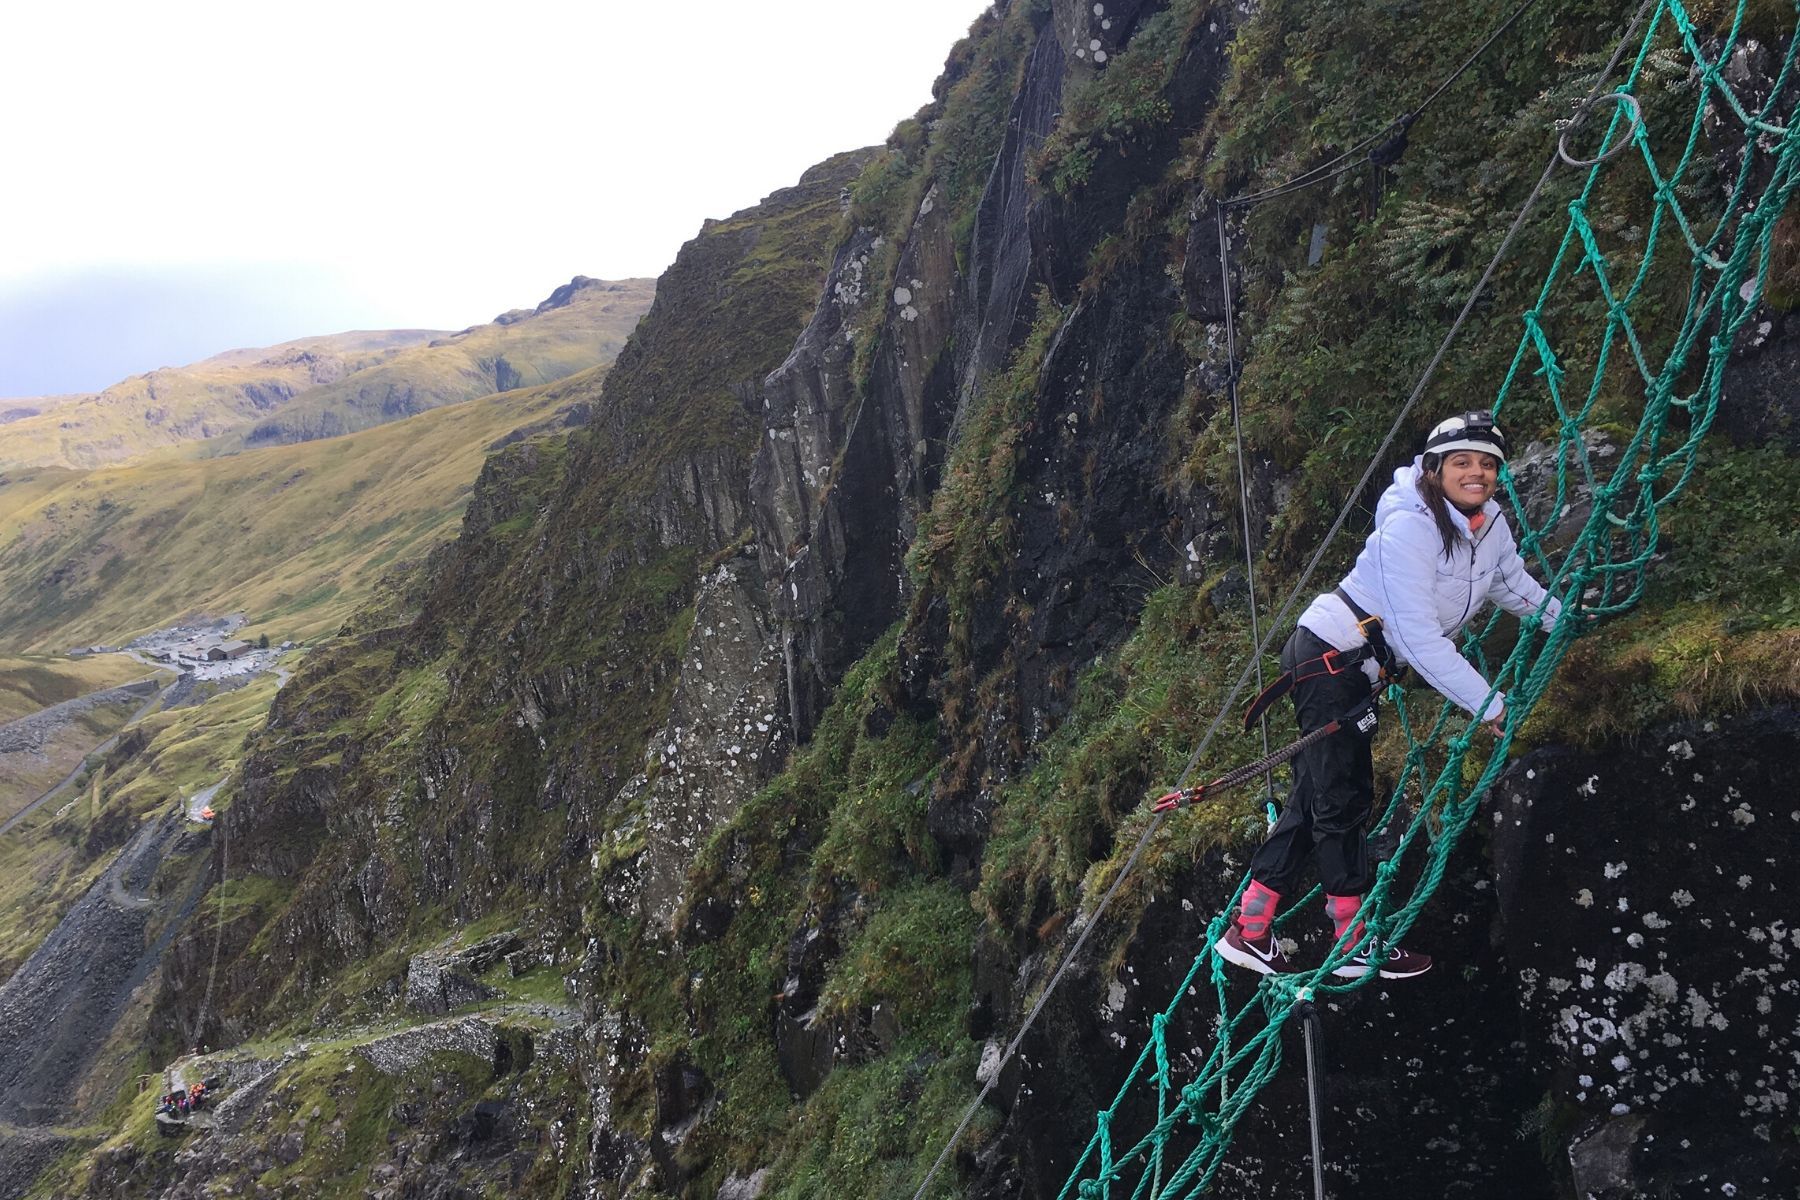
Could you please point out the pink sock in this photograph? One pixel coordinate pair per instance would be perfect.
(1257, 910)
(1342, 910)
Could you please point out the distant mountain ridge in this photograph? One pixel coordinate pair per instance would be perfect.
(296, 536)
(323, 386)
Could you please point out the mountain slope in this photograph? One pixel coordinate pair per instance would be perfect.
(294, 536)
(582, 323)
(316, 387)
(798, 711)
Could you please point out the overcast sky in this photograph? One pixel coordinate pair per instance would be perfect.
(186, 178)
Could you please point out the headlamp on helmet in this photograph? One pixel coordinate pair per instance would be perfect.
(1471, 431)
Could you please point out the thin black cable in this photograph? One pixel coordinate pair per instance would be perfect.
(1293, 596)
(1237, 437)
(212, 971)
(1313, 1033)
(1301, 181)
(1288, 189)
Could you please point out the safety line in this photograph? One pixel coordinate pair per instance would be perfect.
(1237, 440)
(212, 970)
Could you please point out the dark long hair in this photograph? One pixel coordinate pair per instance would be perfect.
(1430, 485)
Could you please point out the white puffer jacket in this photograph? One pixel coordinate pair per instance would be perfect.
(1423, 598)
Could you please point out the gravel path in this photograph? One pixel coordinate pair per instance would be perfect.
(199, 800)
(27, 1153)
(31, 732)
(59, 1008)
(140, 688)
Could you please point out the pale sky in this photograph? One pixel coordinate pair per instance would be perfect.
(185, 178)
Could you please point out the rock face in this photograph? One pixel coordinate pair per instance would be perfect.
(58, 1007)
(443, 979)
(1602, 1011)
(1646, 916)
(724, 735)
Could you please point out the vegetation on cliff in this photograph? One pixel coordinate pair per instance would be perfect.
(877, 913)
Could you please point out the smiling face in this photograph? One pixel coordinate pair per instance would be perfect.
(1470, 478)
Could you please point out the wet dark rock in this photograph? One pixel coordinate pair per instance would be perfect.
(1761, 402)
(1231, 593)
(478, 1129)
(1201, 276)
(1615, 942)
(1092, 534)
(708, 919)
(1601, 1162)
(804, 1043)
(1536, 470)
(1003, 265)
(289, 1147)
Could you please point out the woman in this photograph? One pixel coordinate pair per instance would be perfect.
(1440, 551)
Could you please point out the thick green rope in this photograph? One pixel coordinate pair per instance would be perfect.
(1602, 571)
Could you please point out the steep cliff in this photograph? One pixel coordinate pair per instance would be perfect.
(790, 711)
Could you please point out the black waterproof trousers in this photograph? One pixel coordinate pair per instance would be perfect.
(1334, 784)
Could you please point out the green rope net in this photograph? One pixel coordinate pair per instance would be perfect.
(1601, 571)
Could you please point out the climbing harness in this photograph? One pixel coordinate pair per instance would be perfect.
(1333, 662)
(1610, 556)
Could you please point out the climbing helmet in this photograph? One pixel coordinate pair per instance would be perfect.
(1474, 430)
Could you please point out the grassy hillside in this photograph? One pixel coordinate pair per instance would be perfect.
(31, 682)
(295, 536)
(56, 853)
(174, 405)
(582, 324)
(319, 387)
(27, 774)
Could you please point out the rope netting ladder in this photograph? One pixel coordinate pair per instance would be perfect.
(1601, 570)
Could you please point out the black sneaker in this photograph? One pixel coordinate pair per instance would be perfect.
(1262, 955)
(1395, 963)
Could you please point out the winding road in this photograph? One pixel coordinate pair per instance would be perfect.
(81, 766)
